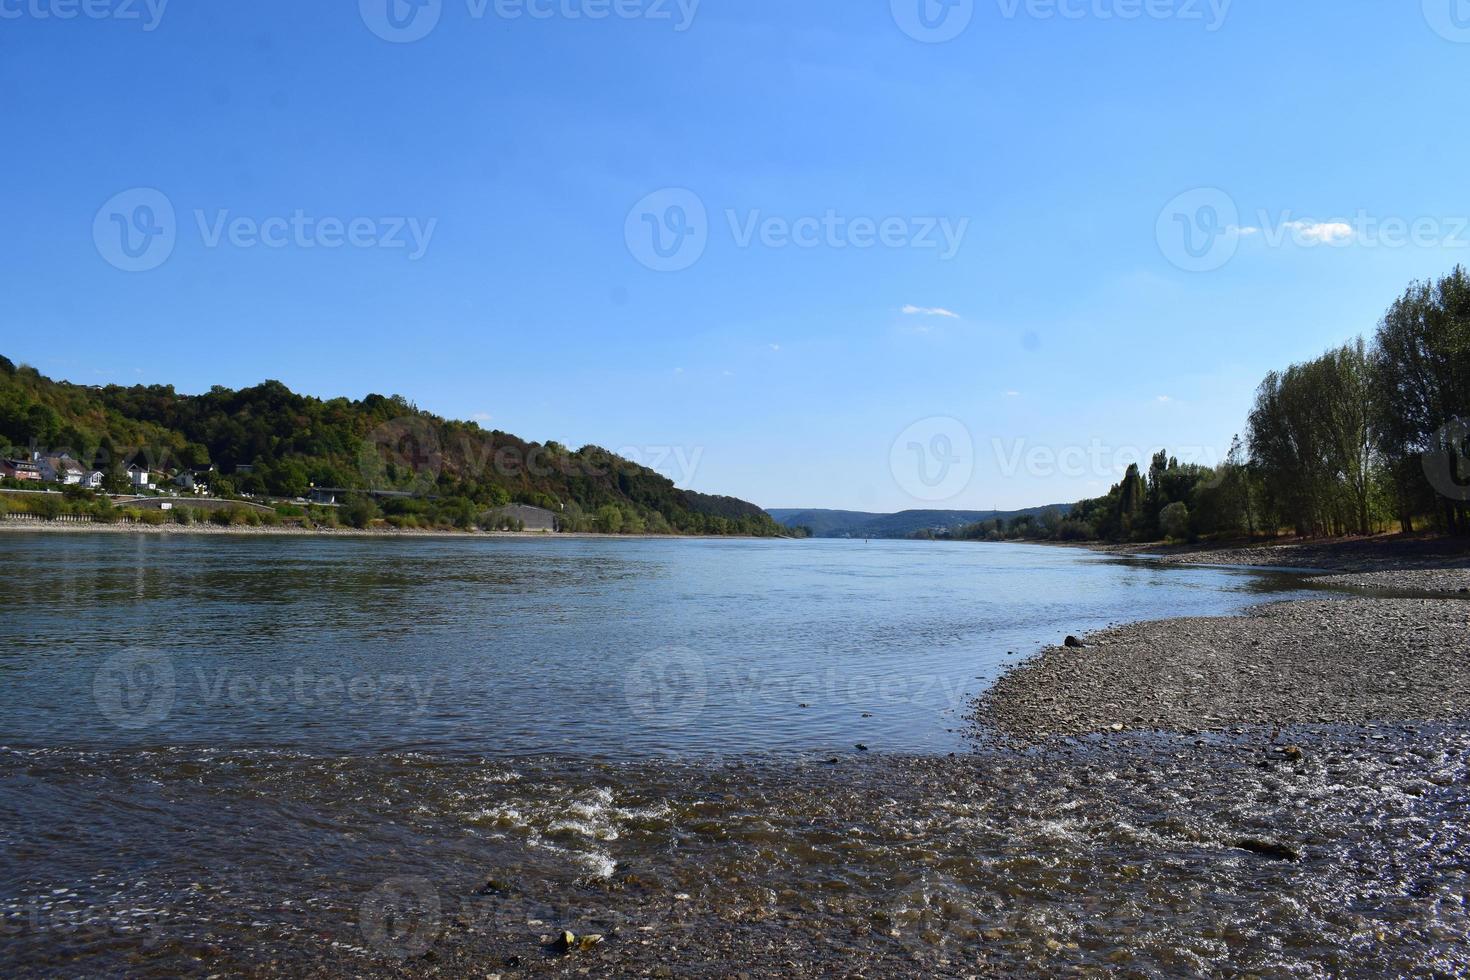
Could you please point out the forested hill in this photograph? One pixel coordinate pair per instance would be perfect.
(905, 524)
(270, 440)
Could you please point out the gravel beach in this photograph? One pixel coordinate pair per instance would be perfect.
(1352, 660)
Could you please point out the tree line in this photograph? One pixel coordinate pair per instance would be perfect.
(1370, 436)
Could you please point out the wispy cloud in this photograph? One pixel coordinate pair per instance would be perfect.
(482, 416)
(1325, 232)
(1164, 399)
(775, 346)
(1315, 232)
(1013, 394)
(912, 310)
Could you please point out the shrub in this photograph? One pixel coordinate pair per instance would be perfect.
(1174, 521)
(359, 511)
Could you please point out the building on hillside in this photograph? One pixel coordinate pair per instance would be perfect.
(140, 478)
(526, 517)
(195, 481)
(20, 469)
(60, 469)
(92, 479)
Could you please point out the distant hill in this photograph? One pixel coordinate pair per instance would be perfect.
(267, 440)
(859, 524)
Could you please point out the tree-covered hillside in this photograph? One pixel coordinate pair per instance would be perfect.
(269, 440)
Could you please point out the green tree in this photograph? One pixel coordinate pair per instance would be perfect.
(1174, 520)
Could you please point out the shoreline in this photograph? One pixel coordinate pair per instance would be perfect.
(1352, 659)
(245, 530)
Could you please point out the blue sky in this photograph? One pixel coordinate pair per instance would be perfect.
(496, 175)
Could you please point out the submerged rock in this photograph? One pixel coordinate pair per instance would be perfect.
(1270, 849)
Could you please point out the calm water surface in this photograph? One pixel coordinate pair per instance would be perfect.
(600, 649)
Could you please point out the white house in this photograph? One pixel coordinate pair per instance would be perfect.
(140, 478)
(194, 480)
(92, 479)
(60, 469)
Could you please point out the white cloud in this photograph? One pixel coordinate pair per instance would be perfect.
(912, 310)
(482, 416)
(1324, 232)
(775, 346)
(1013, 394)
(1164, 399)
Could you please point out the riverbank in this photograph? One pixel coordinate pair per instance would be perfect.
(1336, 661)
(1350, 659)
(291, 530)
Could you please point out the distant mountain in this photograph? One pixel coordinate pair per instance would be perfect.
(859, 524)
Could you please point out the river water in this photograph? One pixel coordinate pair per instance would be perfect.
(291, 755)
